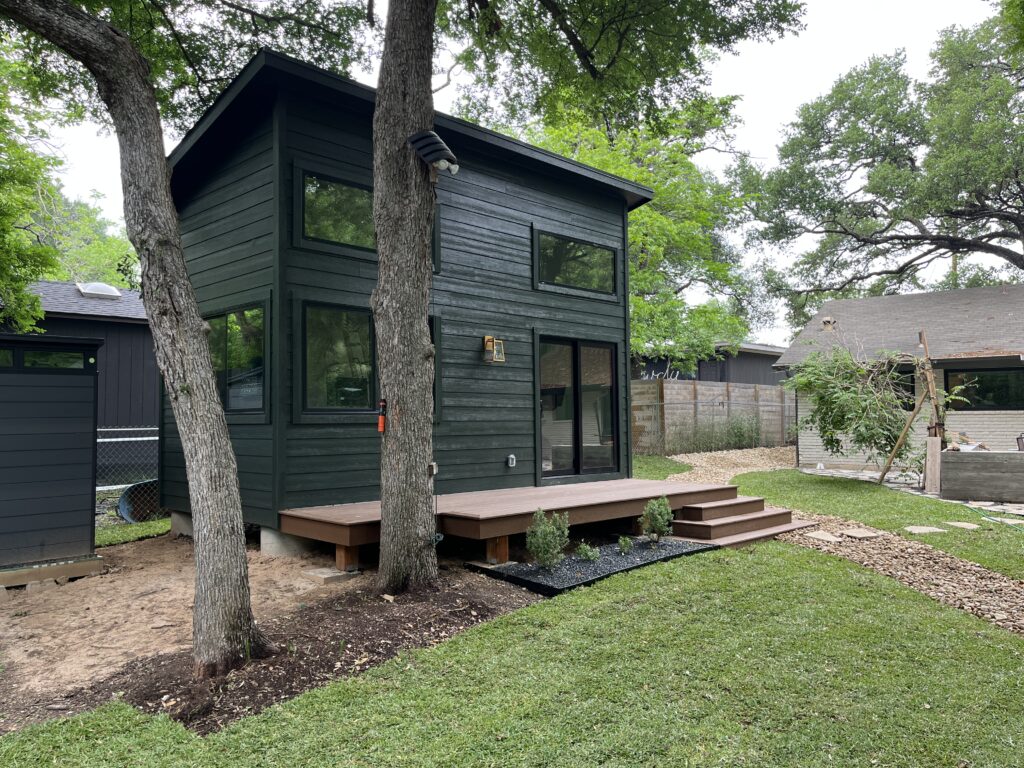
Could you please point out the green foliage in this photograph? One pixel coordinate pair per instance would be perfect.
(995, 546)
(657, 467)
(586, 552)
(854, 405)
(677, 241)
(656, 520)
(547, 537)
(109, 535)
(619, 60)
(625, 545)
(885, 174)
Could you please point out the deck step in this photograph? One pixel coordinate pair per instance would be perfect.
(749, 537)
(706, 530)
(713, 510)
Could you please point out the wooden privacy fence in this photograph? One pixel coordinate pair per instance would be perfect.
(672, 416)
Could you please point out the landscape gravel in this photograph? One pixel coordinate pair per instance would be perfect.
(723, 466)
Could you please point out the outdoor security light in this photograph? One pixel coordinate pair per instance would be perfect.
(434, 152)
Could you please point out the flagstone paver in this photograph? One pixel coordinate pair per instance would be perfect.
(924, 529)
(824, 536)
(961, 524)
(861, 533)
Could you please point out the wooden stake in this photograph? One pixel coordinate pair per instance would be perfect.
(903, 436)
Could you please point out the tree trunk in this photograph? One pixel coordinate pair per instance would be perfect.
(224, 631)
(403, 210)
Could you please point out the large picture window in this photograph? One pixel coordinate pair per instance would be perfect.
(988, 390)
(237, 342)
(336, 212)
(569, 263)
(338, 365)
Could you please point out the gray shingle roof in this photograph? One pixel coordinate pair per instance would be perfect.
(65, 299)
(969, 323)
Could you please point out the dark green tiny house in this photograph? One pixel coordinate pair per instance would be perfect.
(273, 189)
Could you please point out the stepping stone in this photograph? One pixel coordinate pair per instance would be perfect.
(1009, 520)
(924, 529)
(860, 533)
(965, 526)
(328, 575)
(825, 536)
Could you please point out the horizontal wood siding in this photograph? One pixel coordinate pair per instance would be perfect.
(484, 287)
(229, 233)
(47, 443)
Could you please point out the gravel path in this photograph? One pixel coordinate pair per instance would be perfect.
(948, 579)
(723, 466)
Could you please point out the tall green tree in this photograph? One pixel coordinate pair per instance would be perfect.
(885, 175)
(677, 242)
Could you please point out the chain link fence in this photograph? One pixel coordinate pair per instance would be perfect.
(698, 426)
(127, 459)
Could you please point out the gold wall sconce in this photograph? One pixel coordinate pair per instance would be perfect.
(494, 350)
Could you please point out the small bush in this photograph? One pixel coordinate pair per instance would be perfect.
(625, 545)
(547, 538)
(656, 520)
(586, 552)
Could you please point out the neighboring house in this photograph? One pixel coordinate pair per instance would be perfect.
(975, 337)
(273, 187)
(128, 382)
(749, 364)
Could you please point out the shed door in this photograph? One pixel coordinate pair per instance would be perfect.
(47, 453)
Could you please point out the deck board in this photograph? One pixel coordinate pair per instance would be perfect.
(483, 514)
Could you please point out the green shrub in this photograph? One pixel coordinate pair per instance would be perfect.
(586, 552)
(547, 538)
(625, 545)
(656, 521)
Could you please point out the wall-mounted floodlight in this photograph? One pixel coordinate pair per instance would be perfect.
(434, 152)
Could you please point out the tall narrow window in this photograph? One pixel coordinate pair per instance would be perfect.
(339, 371)
(336, 212)
(574, 264)
(557, 408)
(237, 342)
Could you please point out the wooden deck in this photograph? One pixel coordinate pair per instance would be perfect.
(493, 516)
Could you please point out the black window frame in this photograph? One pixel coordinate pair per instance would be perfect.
(334, 414)
(437, 339)
(263, 411)
(569, 290)
(960, 407)
(90, 357)
(336, 174)
(579, 474)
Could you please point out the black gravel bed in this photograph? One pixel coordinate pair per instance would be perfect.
(574, 572)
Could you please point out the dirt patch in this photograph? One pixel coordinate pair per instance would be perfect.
(948, 579)
(723, 466)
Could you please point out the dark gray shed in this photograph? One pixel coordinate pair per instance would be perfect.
(47, 448)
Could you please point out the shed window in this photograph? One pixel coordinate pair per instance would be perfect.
(336, 212)
(40, 358)
(6, 358)
(989, 390)
(338, 358)
(574, 264)
(237, 342)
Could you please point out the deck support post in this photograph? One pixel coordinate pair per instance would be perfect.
(497, 550)
(346, 558)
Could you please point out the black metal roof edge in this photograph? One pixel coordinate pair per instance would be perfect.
(34, 339)
(266, 59)
(65, 315)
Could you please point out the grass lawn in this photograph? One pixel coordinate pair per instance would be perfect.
(119, 534)
(997, 546)
(768, 656)
(657, 467)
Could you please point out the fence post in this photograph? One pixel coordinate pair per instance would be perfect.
(757, 415)
(782, 416)
(662, 420)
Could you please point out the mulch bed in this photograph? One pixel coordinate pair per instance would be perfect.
(335, 637)
(575, 572)
(943, 577)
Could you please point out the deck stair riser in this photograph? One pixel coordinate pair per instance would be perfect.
(714, 510)
(709, 530)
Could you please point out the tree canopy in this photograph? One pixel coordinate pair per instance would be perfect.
(886, 175)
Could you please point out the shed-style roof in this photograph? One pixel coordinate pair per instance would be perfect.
(274, 69)
(65, 299)
(968, 324)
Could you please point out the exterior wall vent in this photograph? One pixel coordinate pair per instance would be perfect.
(98, 291)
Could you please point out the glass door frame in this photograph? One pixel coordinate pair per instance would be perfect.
(577, 345)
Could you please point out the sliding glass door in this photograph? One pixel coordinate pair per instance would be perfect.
(578, 414)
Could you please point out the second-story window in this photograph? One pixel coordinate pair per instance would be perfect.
(568, 263)
(336, 212)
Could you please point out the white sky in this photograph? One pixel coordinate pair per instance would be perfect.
(773, 80)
